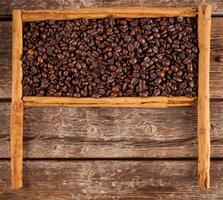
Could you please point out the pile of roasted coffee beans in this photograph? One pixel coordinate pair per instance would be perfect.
(111, 57)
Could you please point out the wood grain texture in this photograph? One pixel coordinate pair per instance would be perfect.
(135, 102)
(216, 75)
(100, 180)
(6, 6)
(112, 132)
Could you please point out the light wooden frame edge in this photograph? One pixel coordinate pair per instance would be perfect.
(19, 102)
(203, 130)
(16, 120)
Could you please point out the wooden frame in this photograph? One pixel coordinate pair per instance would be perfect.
(19, 101)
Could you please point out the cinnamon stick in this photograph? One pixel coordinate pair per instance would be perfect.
(148, 102)
(16, 120)
(204, 31)
(119, 12)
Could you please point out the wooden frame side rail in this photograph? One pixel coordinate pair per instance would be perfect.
(137, 102)
(18, 101)
(204, 32)
(16, 121)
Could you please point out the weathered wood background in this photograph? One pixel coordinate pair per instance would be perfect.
(111, 153)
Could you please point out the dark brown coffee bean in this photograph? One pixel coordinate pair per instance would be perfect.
(166, 63)
(174, 68)
(60, 56)
(26, 90)
(144, 94)
(158, 80)
(169, 40)
(30, 52)
(183, 85)
(156, 92)
(156, 35)
(141, 39)
(78, 65)
(134, 81)
(133, 61)
(40, 59)
(111, 79)
(179, 73)
(83, 93)
(190, 67)
(161, 74)
(171, 28)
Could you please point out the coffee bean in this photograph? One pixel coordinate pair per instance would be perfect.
(183, 85)
(179, 73)
(174, 68)
(156, 35)
(156, 92)
(40, 59)
(161, 74)
(30, 52)
(133, 61)
(26, 90)
(144, 94)
(190, 68)
(78, 65)
(111, 57)
(60, 56)
(169, 40)
(134, 81)
(158, 80)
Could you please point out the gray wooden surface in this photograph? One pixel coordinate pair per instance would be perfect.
(110, 153)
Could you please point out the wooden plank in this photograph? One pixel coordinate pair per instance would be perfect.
(120, 12)
(204, 37)
(216, 71)
(16, 120)
(6, 60)
(149, 102)
(6, 6)
(63, 180)
(112, 132)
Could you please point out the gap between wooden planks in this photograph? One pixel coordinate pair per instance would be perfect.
(18, 102)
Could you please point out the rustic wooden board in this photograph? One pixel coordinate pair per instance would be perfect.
(111, 132)
(6, 6)
(216, 76)
(63, 180)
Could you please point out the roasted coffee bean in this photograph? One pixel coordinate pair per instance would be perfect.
(133, 61)
(174, 68)
(111, 57)
(134, 81)
(144, 94)
(156, 92)
(161, 74)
